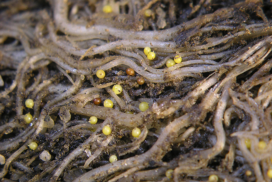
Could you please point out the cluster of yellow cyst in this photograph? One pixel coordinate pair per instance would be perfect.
(171, 62)
(29, 103)
(150, 55)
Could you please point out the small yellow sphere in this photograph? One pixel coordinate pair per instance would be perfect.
(93, 120)
(143, 106)
(147, 50)
(29, 103)
(169, 173)
(269, 173)
(113, 158)
(33, 145)
(248, 173)
(262, 145)
(117, 89)
(106, 130)
(213, 178)
(107, 9)
(28, 118)
(177, 59)
(151, 56)
(2, 159)
(108, 103)
(170, 63)
(148, 12)
(248, 143)
(100, 74)
(136, 132)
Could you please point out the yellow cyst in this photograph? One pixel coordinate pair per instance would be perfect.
(117, 89)
(170, 62)
(248, 143)
(169, 173)
(108, 103)
(177, 59)
(2, 159)
(106, 130)
(28, 118)
(100, 74)
(262, 145)
(151, 56)
(107, 9)
(269, 173)
(113, 158)
(136, 132)
(147, 50)
(33, 145)
(93, 120)
(213, 178)
(29, 103)
(148, 12)
(248, 173)
(143, 106)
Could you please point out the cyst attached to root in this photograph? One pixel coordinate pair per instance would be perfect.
(108, 103)
(177, 59)
(29, 103)
(97, 101)
(151, 56)
(45, 156)
(136, 132)
(130, 72)
(100, 74)
(148, 12)
(213, 178)
(117, 89)
(106, 130)
(143, 106)
(93, 120)
(140, 81)
(33, 145)
(170, 63)
(269, 173)
(107, 9)
(2, 159)
(113, 158)
(28, 118)
(262, 145)
(147, 50)
(169, 173)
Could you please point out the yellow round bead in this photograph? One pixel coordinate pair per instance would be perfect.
(147, 50)
(28, 118)
(2, 159)
(269, 173)
(108, 103)
(100, 74)
(29, 103)
(113, 158)
(117, 89)
(93, 120)
(33, 145)
(107, 9)
(262, 145)
(169, 173)
(148, 12)
(136, 132)
(151, 56)
(170, 62)
(248, 143)
(106, 130)
(143, 106)
(177, 59)
(248, 173)
(213, 178)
